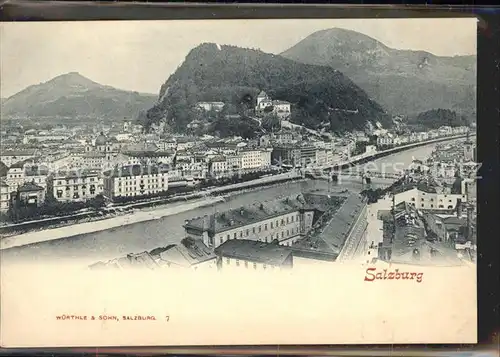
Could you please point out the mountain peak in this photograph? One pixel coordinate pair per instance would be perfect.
(403, 81)
(73, 79)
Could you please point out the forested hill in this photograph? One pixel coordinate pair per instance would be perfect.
(235, 75)
(435, 118)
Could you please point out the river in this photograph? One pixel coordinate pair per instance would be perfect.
(139, 237)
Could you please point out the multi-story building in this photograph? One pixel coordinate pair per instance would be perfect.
(218, 166)
(385, 140)
(286, 155)
(234, 162)
(420, 199)
(336, 236)
(74, 186)
(135, 180)
(284, 221)
(9, 157)
(148, 157)
(308, 155)
(468, 151)
(93, 160)
(250, 159)
(26, 171)
(28, 194)
(4, 196)
(265, 157)
(280, 108)
(251, 254)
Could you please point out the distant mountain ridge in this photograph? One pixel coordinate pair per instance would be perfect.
(403, 81)
(73, 95)
(236, 75)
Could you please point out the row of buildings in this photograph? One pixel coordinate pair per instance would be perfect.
(389, 139)
(313, 227)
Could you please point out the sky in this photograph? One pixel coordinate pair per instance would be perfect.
(140, 55)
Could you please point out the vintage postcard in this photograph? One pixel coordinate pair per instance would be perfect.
(243, 182)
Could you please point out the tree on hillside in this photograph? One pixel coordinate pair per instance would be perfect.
(435, 118)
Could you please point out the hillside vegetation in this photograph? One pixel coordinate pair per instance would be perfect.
(235, 76)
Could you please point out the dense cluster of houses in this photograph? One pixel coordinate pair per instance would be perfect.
(79, 163)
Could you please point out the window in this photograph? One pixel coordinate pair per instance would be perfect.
(282, 222)
(421, 199)
(272, 225)
(432, 206)
(265, 227)
(235, 235)
(253, 230)
(413, 198)
(432, 199)
(422, 205)
(221, 240)
(241, 234)
(292, 219)
(237, 263)
(282, 234)
(67, 188)
(260, 229)
(228, 261)
(228, 237)
(255, 265)
(246, 264)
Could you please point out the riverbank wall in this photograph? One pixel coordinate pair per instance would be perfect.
(204, 198)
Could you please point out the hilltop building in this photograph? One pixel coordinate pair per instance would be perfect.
(209, 106)
(282, 109)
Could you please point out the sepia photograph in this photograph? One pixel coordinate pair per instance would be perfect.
(225, 182)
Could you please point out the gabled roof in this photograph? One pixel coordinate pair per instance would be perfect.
(330, 236)
(260, 211)
(192, 252)
(29, 187)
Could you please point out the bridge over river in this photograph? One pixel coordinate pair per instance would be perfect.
(138, 237)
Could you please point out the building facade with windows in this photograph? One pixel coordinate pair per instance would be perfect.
(135, 180)
(76, 186)
(284, 221)
(4, 196)
(429, 200)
